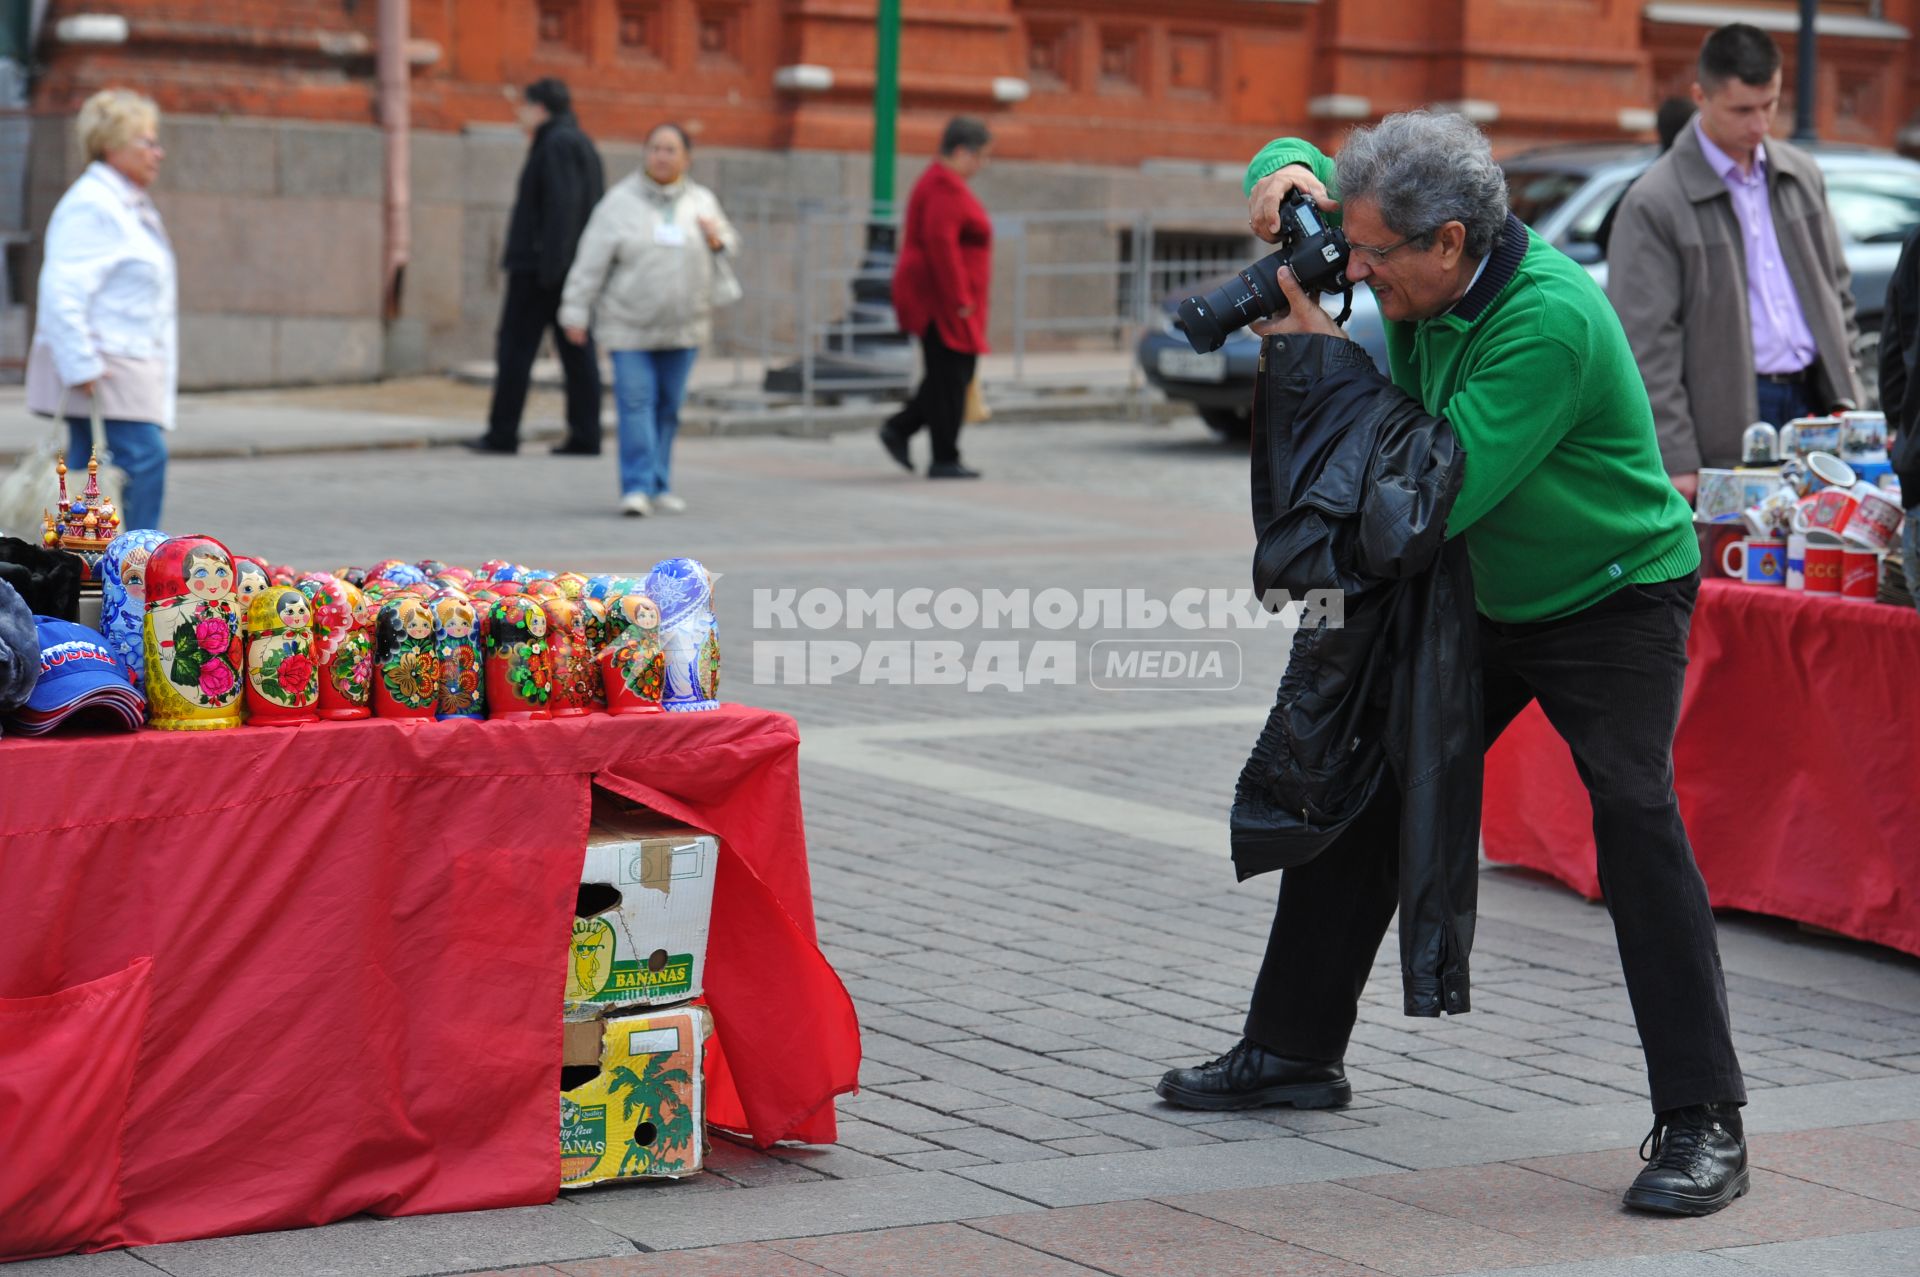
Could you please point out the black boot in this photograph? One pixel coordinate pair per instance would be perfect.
(1697, 1162)
(895, 442)
(1250, 1076)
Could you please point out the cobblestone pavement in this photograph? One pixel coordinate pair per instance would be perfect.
(1028, 896)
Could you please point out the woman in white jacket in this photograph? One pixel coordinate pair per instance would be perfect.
(106, 325)
(644, 275)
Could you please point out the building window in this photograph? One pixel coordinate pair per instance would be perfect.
(1050, 57)
(720, 35)
(1193, 68)
(1122, 60)
(642, 36)
(562, 25)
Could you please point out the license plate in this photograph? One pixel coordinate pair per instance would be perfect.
(1193, 365)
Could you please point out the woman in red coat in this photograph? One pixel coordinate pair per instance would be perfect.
(940, 286)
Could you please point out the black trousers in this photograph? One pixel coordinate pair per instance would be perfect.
(1608, 679)
(529, 310)
(940, 404)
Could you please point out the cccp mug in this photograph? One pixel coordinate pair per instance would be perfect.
(1859, 574)
(1762, 561)
(1875, 524)
(1824, 562)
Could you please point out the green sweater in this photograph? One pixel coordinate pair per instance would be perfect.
(1565, 498)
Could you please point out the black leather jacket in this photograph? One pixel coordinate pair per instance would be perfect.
(1352, 484)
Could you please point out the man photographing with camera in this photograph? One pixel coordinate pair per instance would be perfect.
(1584, 569)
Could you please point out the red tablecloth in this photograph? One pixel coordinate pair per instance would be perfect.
(358, 935)
(1797, 763)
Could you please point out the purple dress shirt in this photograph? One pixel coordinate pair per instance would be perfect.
(1782, 342)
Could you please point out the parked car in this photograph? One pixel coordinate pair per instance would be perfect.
(1563, 193)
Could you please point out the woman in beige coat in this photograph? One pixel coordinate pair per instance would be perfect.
(644, 277)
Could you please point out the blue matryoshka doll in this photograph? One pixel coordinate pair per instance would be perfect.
(683, 591)
(123, 598)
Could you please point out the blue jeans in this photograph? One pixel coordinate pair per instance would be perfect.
(1780, 404)
(648, 386)
(140, 449)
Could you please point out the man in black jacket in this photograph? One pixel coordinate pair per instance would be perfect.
(1900, 395)
(559, 185)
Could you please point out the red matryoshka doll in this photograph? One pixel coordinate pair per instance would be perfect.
(250, 577)
(633, 664)
(545, 589)
(194, 646)
(519, 670)
(593, 617)
(456, 641)
(572, 657)
(507, 589)
(341, 647)
(282, 679)
(281, 574)
(406, 670)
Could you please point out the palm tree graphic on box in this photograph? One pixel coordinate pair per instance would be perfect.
(664, 1121)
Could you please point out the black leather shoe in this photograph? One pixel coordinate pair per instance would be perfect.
(572, 449)
(1250, 1076)
(950, 470)
(1697, 1162)
(896, 447)
(488, 446)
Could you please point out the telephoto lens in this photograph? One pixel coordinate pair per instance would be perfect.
(1253, 293)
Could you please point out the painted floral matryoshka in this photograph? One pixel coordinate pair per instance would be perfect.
(683, 589)
(250, 577)
(123, 598)
(519, 671)
(406, 670)
(571, 654)
(593, 619)
(283, 683)
(193, 642)
(632, 664)
(456, 640)
(341, 647)
(572, 584)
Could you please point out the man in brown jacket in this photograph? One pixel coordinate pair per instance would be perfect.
(1727, 272)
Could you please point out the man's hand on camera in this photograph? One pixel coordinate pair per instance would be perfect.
(1304, 314)
(1263, 208)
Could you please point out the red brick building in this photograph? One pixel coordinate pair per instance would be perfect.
(273, 186)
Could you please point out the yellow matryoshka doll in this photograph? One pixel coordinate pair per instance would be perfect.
(193, 641)
(283, 683)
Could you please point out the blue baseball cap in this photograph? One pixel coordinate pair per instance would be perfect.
(78, 672)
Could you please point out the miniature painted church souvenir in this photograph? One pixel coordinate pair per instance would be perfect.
(250, 577)
(283, 683)
(406, 669)
(341, 647)
(193, 641)
(123, 598)
(456, 640)
(632, 664)
(572, 657)
(519, 670)
(84, 527)
(683, 590)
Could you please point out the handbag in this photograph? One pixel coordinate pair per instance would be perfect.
(32, 488)
(726, 284)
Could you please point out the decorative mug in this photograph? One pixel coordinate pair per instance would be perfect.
(1808, 435)
(632, 662)
(1859, 574)
(283, 683)
(1828, 510)
(1824, 562)
(406, 669)
(1876, 518)
(194, 647)
(1825, 470)
(341, 645)
(1772, 515)
(1797, 561)
(1863, 436)
(456, 641)
(519, 671)
(1762, 561)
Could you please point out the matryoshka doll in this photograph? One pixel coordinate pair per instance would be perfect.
(194, 648)
(593, 619)
(341, 647)
(571, 654)
(250, 577)
(281, 574)
(123, 598)
(572, 584)
(406, 670)
(282, 678)
(632, 664)
(456, 640)
(688, 633)
(519, 671)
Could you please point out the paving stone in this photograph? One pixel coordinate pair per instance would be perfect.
(1111, 1177)
(1047, 1099)
(1858, 1255)
(1147, 1131)
(800, 1210)
(875, 1073)
(111, 1263)
(939, 1095)
(1147, 1239)
(1241, 1128)
(832, 1160)
(719, 1261)
(881, 1141)
(1831, 1062)
(1475, 1064)
(934, 1250)
(1864, 1164)
(1028, 1124)
(996, 1146)
(940, 1159)
(1432, 1103)
(1080, 1145)
(1497, 1137)
(899, 1115)
(1066, 1077)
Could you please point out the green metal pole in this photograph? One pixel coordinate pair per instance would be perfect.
(886, 107)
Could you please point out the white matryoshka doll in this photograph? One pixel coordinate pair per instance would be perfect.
(123, 598)
(683, 590)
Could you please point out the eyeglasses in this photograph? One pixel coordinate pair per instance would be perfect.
(148, 143)
(1378, 255)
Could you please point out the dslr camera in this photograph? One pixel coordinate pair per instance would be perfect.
(1315, 252)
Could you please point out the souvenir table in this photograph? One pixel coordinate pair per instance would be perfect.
(323, 964)
(1795, 759)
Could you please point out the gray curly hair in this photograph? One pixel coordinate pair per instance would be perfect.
(1424, 169)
